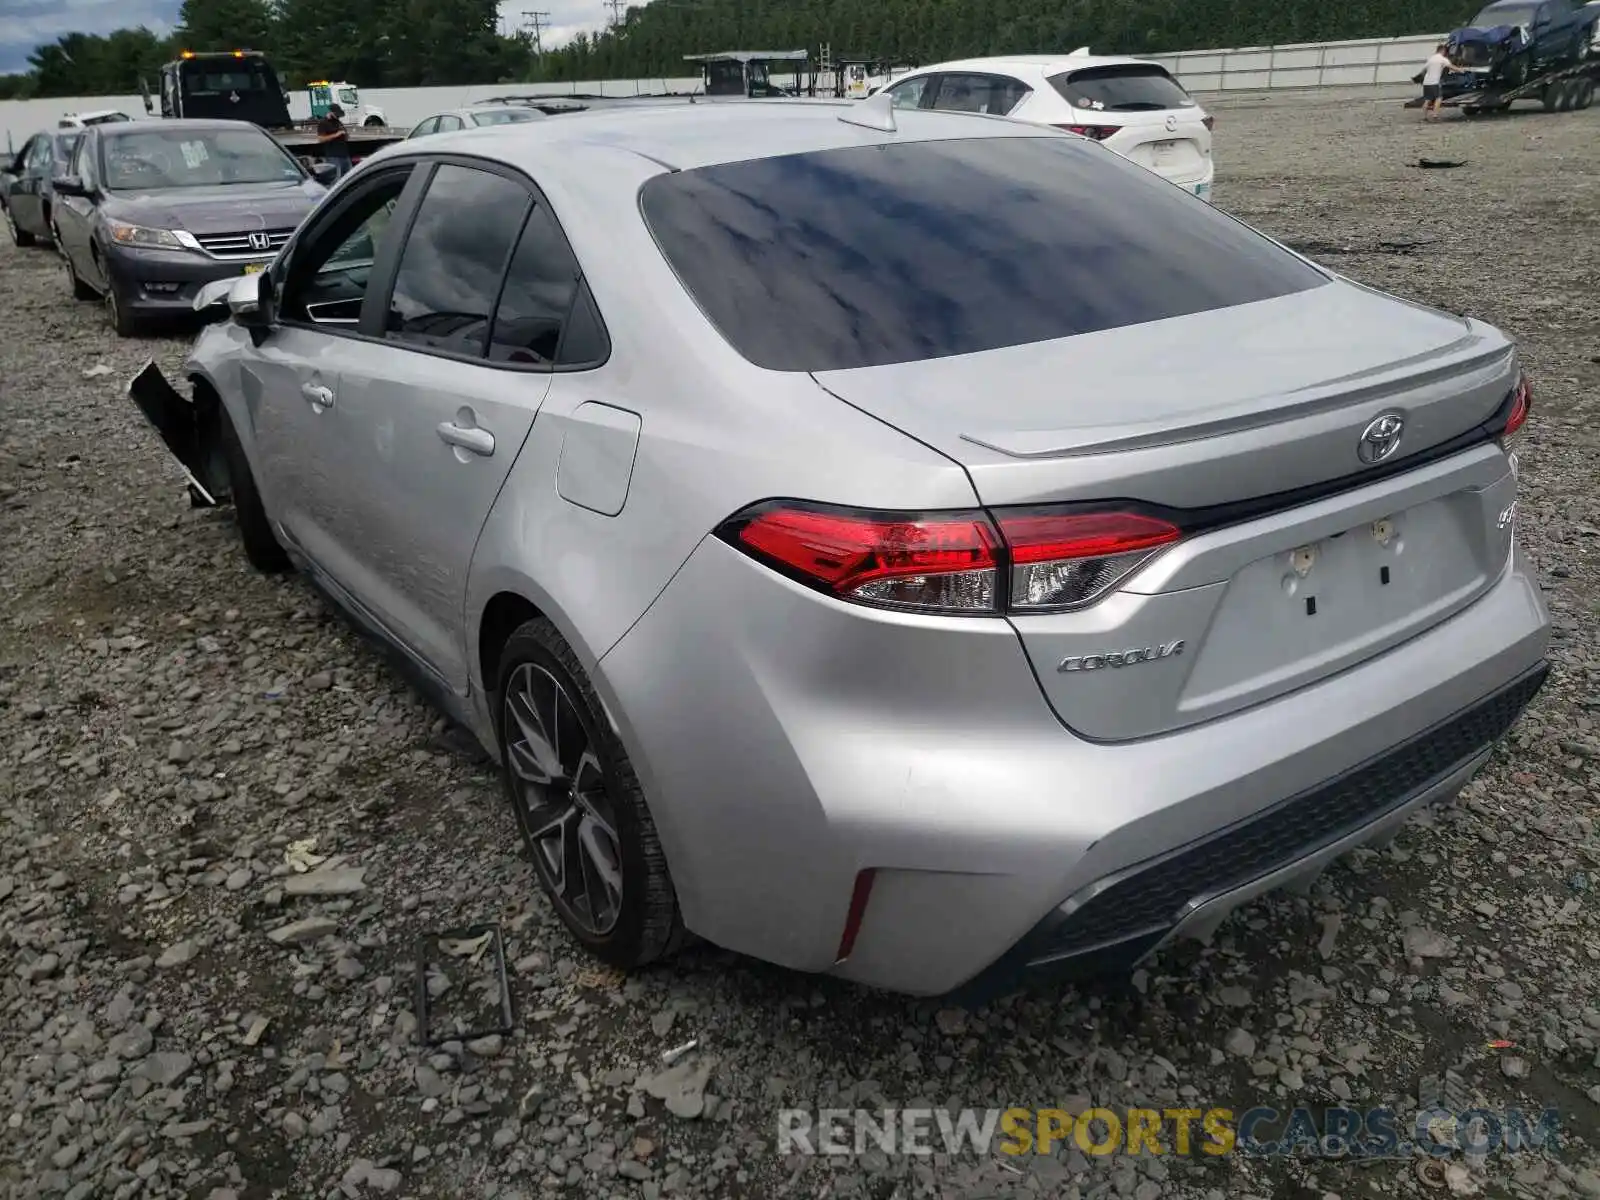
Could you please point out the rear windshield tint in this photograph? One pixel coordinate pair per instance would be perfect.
(895, 253)
(1132, 87)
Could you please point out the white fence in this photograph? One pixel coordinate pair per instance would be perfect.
(20, 119)
(1250, 68)
(1317, 64)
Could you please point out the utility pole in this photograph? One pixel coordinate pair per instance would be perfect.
(539, 21)
(617, 8)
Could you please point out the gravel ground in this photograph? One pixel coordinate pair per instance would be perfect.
(182, 1019)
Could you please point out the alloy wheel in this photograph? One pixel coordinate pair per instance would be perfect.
(561, 799)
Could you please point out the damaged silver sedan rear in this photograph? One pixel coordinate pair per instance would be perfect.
(914, 546)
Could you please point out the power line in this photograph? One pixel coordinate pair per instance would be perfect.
(540, 21)
(617, 8)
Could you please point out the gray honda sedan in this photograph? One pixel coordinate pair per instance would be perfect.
(914, 546)
(148, 211)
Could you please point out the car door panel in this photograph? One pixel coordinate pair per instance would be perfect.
(74, 214)
(24, 198)
(292, 378)
(420, 446)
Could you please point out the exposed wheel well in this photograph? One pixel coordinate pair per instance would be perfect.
(504, 613)
(373, 121)
(208, 411)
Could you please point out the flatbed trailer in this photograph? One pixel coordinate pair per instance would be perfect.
(301, 141)
(1565, 89)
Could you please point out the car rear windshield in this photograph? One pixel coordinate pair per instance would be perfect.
(506, 116)
(1131, 87)
(152, 159)
(883, 254)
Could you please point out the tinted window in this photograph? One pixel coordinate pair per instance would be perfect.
(892, 253)
(506, 116)
(329, 273)
(1135, 87)
(909, 94)
(537, 295)
(449, 124)
(453, 261)
(1504, 14)
(427, 127)
(992, 94)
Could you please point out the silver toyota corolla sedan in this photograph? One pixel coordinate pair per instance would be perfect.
(916, 546)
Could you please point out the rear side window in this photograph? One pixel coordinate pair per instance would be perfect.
(454, 258)
(1131, 87)
(537, 296)
(993, 94)
(893, 253)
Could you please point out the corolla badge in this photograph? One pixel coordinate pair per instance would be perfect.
(1381, 438)
(1121, 658)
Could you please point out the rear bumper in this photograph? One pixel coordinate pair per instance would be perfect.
(165, 282)
(1116, 921)
(788, 742)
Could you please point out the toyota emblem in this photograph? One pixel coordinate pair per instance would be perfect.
(259, 241)
(1381, 438)
(1172, 123)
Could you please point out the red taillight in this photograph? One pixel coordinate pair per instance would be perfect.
(1098, 132)
(859, 895)
(1521, 403)
(1031, 561)
(1067, 560)
(940, 563)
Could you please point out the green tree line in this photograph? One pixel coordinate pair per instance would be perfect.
(419, 43)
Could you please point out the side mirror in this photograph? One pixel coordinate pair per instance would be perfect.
(213, 296)
(250, 300)
(325, 173)
(68, 185)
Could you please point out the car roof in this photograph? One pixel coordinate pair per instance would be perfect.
(707, 133)
(1032, 62)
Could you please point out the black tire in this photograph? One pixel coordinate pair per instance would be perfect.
(19, 237)
(123, 321)
(1585, 95)
(80, 289)
(373, 122)
(647, 925)
(255, 531)
(1551, 97)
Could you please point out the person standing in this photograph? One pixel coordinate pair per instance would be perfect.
(335, 140)
(1433, 81)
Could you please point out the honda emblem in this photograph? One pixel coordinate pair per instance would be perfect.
(260, 241)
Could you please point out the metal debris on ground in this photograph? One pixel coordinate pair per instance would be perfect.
(668, 1057)
(464, 946)
(1440, 164)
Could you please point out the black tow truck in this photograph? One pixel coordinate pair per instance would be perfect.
(241, 85)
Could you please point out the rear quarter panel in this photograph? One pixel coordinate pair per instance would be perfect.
(714, 435)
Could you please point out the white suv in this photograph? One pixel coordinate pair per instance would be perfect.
(1136, 108)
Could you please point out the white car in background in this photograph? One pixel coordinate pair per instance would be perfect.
(1133, 106)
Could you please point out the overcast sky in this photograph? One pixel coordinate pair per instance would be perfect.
(24, 24)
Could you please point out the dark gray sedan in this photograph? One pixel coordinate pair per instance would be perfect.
(25, 184)
(150, 211)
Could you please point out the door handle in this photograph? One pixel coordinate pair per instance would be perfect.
(473, 441)
(317, 394)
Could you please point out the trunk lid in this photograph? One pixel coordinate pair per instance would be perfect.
(1201, 414)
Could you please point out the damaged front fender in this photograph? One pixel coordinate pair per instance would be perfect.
(189, 430)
